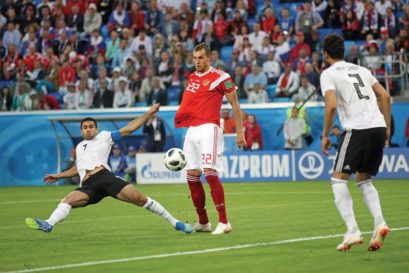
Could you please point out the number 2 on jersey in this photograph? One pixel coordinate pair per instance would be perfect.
(360, 83)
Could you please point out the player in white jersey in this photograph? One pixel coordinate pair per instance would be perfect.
(353, 92)
(97, 180)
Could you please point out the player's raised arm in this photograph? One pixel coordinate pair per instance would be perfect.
(51, 178)
(240, 138)
(330, 111)
(138, 122)
(385, 107)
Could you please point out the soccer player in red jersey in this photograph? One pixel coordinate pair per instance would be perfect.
(203, 146)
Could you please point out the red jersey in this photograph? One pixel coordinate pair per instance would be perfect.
(203, 97)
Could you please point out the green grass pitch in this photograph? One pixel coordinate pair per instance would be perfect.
(118, 237)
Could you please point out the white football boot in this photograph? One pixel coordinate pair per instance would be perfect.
(222, 229)
(198, 227)
(350, 240)
(378, 238)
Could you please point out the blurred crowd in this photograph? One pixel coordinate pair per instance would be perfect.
(81, 54)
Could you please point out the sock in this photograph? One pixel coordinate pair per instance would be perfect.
(59, 214)
(371, 198)
(157, 208)
(343, 201)
(198, 197)
(217, 192)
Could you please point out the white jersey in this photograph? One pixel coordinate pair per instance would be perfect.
(356, 101)
(93, 153)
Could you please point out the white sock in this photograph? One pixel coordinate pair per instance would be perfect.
(343, 201)
(157, 208)
(59, 214)
(371, 198)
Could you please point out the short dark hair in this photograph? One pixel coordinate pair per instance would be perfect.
(89, 119)
(334, 46)
(203, 46)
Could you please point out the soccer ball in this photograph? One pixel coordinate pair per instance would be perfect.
(175, 160)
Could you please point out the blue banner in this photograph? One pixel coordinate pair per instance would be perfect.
(302, 165)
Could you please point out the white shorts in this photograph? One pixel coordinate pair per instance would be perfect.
(204, 147)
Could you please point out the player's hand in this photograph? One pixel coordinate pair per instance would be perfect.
(325, 145)
(154, 108)
(241, 140)
(50, 178)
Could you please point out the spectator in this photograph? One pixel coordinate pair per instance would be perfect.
(241, 7)
(83, 97)
(186, 40)
(370, 21)
(293, 130)
(390, 22)
(165, 69)
(311, 75)
(75, 20)
(350, 26)
(130, 161)
(117, 161)
(137, 17)
(306, 90)
(269, 21)
(103, 97)
(119, 57)
(258, 95)
(36, 75)
(29, 17)
(256, 76)
(158, 93)
(353, 55)
(70, 97)
(336, 132)
(185, 14)
(221, 32)
(154, 129)
(209, 38)
(404, 19)
(257, 36)
(47, 102)
(282, 49)
(11, 63)
(122, 97)
(142, 39)
(373, 60)
(302, 114)
(301, 61)
(271, 68)
(236, 25)
(119, 18)
(331, 15)
(308, 21)
(252, 132)
(239, 78)
(229, 126)
(320, 6)
(384, 39)
(11, 35)
(238, 44)
(262, 10)
(112, 46)
(170, 27)
(216, 62)
(300, 44)
(288, 82)
(265, 48)
(286, 22)
(154, 19)
(177, 71)
(92, 19)
(6, 99)
(381, 6)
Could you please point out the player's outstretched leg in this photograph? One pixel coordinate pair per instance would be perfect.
(344, 204)
(131, 195)
(217, 192)
(198, 196)
(371, 198)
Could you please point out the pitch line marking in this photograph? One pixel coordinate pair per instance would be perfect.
(192, 252)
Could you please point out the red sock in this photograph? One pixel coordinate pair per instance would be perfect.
(217, 191)
(198, 197)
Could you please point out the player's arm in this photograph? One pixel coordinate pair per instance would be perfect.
(51, 178)
(138, 122)
(240, 138)
(385, 107)
(329, 116)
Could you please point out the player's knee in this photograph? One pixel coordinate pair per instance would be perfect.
(140, 200)
(194, 172)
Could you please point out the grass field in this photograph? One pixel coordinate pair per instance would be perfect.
(273, 229)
